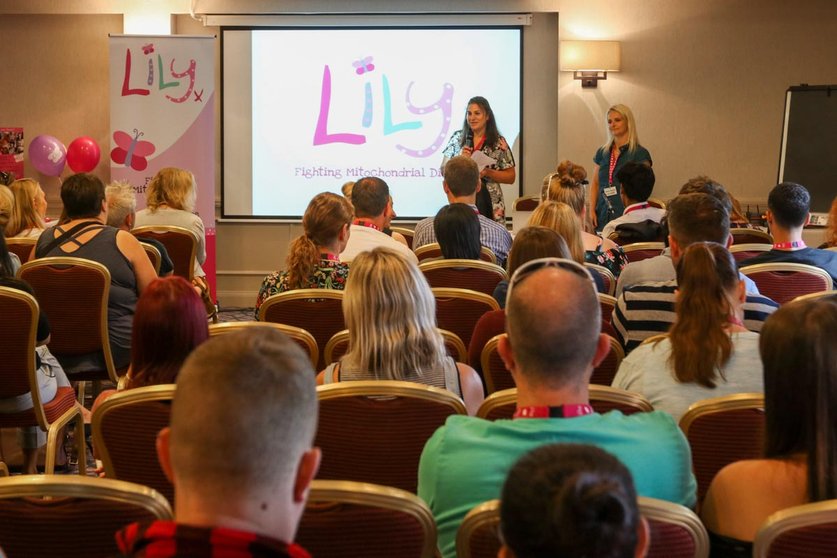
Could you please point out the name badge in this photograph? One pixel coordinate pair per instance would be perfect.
(610, 191)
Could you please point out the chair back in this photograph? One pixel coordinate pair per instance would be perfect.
(478, 535)
(338, 346)
(750, 236)
(638, 251)
(676, 531)
(476, 275)
(21, 247)
(494, 372)
(304, 339)
(180, 243)
(604, 373)
(607, 303)
(656, 202)
(458, 310)
(783, 282)
(433, 252)
(490, 324)
(125, 428)
(345, 519)
(604, 399)
(499, 405)
(723, 430)
(376, 430)
(743, 252)
(608, 280)
(71, 516)
(527, 203)
(406, 233)
(154, 256)
(318, 311)
(809, 530)
(74, 292)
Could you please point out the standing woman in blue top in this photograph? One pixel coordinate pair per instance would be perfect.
(622, 146)
(480, 133)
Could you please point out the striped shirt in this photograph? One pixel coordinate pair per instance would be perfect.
(648, 309)
(493, 236)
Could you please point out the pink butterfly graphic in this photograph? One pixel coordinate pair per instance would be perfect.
(363, 65)
(148, 49)
(131, 151)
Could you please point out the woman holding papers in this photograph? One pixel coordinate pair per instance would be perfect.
(480, 139)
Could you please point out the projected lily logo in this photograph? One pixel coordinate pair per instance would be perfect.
(363, 67)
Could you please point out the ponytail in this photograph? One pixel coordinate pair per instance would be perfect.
(700, 342)
(303, 257)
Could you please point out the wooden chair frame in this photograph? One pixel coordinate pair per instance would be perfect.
(59, 261)
(482, 516)
(618, 350)
(155, 231)
(718, 404)
(619, 396)
(391, 388)
(812, 296)
(497, 399)
(485, 363)
(750, 247)
(474, 264)
(13, 242)
(468, 294)
(154, 256)
(448, 336)
(781, 522)
(295, 333)
(525, 200)
(637, 246)
(486, 255)
(385, 497)
(739, 231)
(668, 512)
(52, 429)
(789, 267)
(409, 234)
(606, 275)
(656, 202)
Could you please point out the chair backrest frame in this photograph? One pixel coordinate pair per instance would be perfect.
(788, 520)
(162, 234)
(301, 336)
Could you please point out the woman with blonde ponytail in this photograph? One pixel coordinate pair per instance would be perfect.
(708, 352)
(313, 260)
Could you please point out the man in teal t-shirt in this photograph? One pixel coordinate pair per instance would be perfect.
(553, 344)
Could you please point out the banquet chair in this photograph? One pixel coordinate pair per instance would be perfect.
(345, 519)
(375, 431)
(476, 275)
(125, 428)
(499, 405)
(317, 311)
(304, 339)
(180, 243)
(496, 376)
(69, 516)
(22, 247)
(18, 376)
(527, 203)
(338, 346)
(74, 292)
(808, 530)
(502, 404)
(433, 251)
(783, 282)
(656, 202)
(638, 251)
(478, 536)
(811, 296)
(676, 531)
(490, 324)
(154, 256)
(604, 373)
(458, 310)
(607, 303)
(406, 233)
(608, 280)
(743, 252)
(723, 430)
(750, 236)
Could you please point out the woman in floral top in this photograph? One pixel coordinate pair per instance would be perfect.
(479, 133)
(569, 185)
(313, 258)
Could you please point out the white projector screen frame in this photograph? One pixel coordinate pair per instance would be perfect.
(300, 117)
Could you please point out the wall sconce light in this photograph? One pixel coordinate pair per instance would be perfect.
(590, 61)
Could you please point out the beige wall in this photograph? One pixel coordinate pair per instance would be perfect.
(705, 78)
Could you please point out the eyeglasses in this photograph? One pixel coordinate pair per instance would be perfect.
(532, 266)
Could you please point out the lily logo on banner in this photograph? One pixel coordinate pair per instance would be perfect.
(159, 75)
(365, 67)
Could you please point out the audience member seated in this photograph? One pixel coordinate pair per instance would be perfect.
(313, 260)
(571, 500)
(122, 212)
(7, 202)
(737, 219)
(560, 217)
(169, 323)
(85, 235)
(347, 188)
(708, 351)
(553, 344)
(373, 213)
(787, 213)
(238, 452)
(800, 455)
(569, 185)
(661, 268)
(50, 374)
(29, 210)
(640, 222)
(830, 233)
(461, 184)
(647, 309)
(457, 230)
(391, 316)
(531, 243)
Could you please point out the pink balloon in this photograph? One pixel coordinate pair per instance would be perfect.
(47, 154)
(83, 154)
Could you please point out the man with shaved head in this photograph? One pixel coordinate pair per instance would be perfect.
(551, 347)
(238, 451)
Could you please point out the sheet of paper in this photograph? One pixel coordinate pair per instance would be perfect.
(482, 160)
